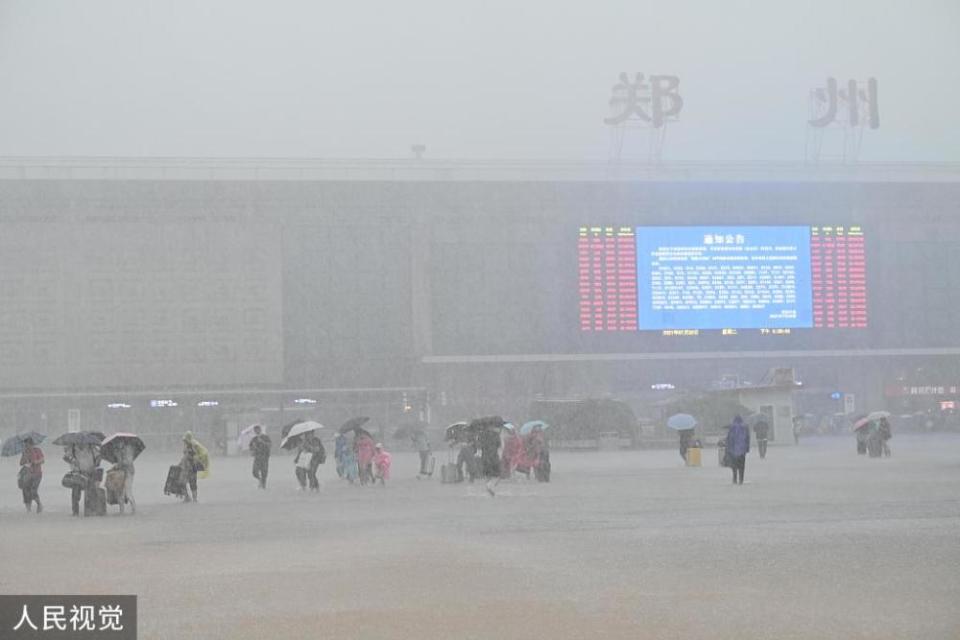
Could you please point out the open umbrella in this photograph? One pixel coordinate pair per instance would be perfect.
(878, 415)
(111, 447)
(298, 430)
(79, 437)
(488, 422)
(353, 424)
(681, 422)
(456, 432)
(285, 429)
(13, 446)
(533, 424)
(243, 440)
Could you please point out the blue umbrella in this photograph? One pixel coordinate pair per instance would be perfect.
(533, 424)
(681, 422)
(13, 446)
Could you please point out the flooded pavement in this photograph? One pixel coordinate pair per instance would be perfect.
(819, 543)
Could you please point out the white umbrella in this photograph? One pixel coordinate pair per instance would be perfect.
(299, 429)
(681, 422)
(243, 440)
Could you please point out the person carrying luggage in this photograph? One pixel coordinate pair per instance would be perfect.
(83, 460)
(195, 460)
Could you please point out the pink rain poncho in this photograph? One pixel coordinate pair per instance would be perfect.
(381, 462)
(365, 450)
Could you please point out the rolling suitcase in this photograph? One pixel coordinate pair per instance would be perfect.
(174, 486)
(448, 473)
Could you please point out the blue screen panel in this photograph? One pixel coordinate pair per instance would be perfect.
(726, 277)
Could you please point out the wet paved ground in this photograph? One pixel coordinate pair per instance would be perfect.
(819, 543)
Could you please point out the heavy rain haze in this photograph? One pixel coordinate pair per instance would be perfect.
(479, 320)
(471, 79)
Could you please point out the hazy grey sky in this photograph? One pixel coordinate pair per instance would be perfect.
(470, 79)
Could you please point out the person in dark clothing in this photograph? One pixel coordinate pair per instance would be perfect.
(260, 447)
(490, 457)
(762, 431)
(738, 445)
(467, 462)
(686, 436)
(313, 445)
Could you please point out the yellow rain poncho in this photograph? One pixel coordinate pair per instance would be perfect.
(203, 456)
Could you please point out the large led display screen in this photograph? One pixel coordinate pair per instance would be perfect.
(721, 278)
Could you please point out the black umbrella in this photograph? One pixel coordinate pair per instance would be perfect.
(488, 422)
(79, 438)
(13, 446)
(457, 432)
(354, 424)
(110, 449)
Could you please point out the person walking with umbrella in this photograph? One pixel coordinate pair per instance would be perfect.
(260, 447)
(31, 473)
(122, 449)
(738, 445)
(490, 455)
(312, 443)
(302, 436)
(365, 448)
(84, 459)
(683, 424)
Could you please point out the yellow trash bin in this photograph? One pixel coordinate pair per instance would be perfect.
(693, 457)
